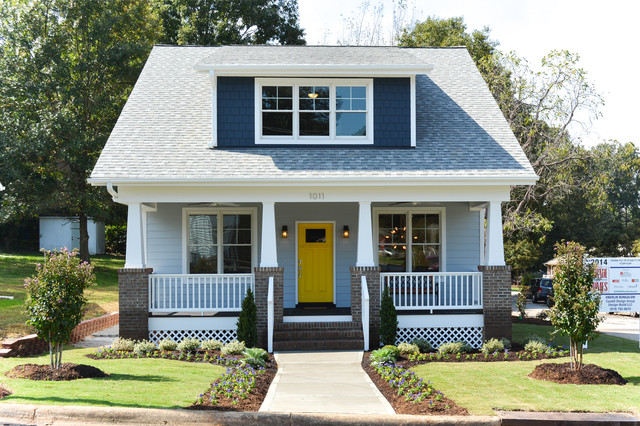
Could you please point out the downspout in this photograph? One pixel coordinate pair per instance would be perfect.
(112, 192)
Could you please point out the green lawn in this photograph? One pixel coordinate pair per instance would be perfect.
(155, 383)
(14, 268)
(483, 387)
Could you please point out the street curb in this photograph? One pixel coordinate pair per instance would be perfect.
(46, 414)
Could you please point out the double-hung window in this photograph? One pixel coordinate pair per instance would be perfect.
(219, 242)
(410, 241)
(314, 111)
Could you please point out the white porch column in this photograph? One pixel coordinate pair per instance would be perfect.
(495, 247)
(365, 236)
(135, 237)
(268, 250)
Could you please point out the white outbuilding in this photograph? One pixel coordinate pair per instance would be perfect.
(60, 231)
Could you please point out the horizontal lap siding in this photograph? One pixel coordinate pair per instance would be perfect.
(463, 238)
(164, 239)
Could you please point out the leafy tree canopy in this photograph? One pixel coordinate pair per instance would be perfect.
(216, 22)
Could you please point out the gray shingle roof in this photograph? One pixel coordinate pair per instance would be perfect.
(165, 126)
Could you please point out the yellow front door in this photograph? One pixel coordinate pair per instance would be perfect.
(315, 263)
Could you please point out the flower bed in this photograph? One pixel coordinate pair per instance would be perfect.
(241, 387)
(407, 393)
(522, 355)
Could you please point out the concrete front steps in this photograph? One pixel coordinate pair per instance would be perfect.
(318, 336)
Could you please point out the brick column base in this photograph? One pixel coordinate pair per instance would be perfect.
(373, 284)
(133, 296)
(496, 281)
(261, 293)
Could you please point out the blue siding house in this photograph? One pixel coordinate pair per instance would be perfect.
(318, 176)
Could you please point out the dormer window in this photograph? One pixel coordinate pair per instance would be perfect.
(314, 111)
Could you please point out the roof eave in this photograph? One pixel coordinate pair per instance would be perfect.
(315, 70)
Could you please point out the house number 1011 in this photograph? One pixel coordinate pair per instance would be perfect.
(316, 195)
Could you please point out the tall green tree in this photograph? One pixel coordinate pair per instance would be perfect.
(216, 22)
(66, 69)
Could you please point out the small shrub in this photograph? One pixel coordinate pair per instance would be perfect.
(423, 345)
(408, 349)
(121, 344)
(211, 345)
(233, 348)
(255, 357)
(453, 348)
(167, 345)
(535, 346)
(247, 331)
(543, 315)
(388, 354)
(493, 345)
(188, 346)
(388, 319)
(144, 347)
(506, 343)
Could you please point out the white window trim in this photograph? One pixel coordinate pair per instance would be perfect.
(186, 211)
(441, 211)
(296, 139)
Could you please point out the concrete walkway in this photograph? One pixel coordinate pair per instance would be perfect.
(323, 382)
(99, 338)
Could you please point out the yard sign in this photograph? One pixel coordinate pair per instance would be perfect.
(618, 278)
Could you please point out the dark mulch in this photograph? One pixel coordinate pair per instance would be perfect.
(67, 371)
(515, 354)
(534, 321)
(445, 406)
(589, 374)
(253, 400)
(4, 391)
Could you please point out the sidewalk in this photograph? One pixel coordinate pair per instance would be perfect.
(323, 382)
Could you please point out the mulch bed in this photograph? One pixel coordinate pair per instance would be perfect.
(517, 353)
(4, 392)
(253, 400)
(534, 321)
(589, 374)
(68, 371)
(445, 406)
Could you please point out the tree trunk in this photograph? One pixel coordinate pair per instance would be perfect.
(50, 352)
(84, 238)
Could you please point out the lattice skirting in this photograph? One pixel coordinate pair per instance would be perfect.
(438, 335)
(225, 336)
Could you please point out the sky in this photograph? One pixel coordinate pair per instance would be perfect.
(603, 33)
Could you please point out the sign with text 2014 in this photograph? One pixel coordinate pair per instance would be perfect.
(618, 278)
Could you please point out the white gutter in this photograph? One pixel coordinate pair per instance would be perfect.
(112, 192)
(337, 181)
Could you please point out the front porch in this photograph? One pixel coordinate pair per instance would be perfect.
(317, 271)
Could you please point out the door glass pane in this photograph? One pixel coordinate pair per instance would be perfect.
(277, 123)
(315, 235)
(314, 124)
(203, 260)
(351, 124)
(425, 258)
(237, 259)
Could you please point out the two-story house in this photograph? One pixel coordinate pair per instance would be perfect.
(316, 176)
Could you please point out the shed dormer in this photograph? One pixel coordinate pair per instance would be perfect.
(318, 96)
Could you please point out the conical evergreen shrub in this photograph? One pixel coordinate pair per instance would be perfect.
(388, 319)
(247, 331)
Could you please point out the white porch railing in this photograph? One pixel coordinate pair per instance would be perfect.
(198, 293)
(270, 316)
(437, 290)
(365, 312)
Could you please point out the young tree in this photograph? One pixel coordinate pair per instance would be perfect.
(55, 299)
(575, 313)
(247, 331)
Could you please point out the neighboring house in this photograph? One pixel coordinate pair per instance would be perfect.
(551, 266)
(313, 173)
(57, 232)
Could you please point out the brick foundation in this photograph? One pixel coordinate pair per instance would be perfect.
(496, 281)
(261, 293)
(133, 287)
(373, 283)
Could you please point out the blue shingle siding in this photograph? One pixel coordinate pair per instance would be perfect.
(392, 112)
(236, 111)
